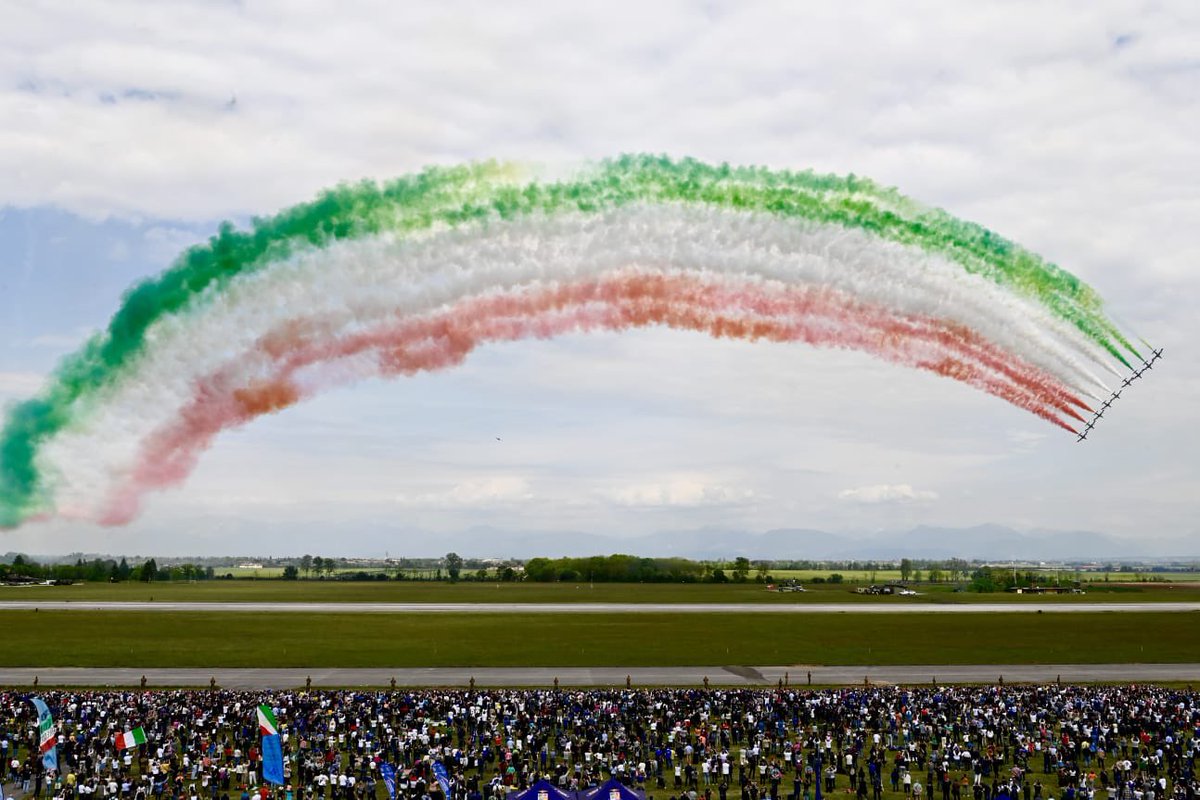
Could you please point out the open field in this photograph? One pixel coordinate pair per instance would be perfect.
(99, 638)
(246, 591)
(628, 609)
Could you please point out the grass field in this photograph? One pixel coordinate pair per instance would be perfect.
(64, 638)
(417, 592)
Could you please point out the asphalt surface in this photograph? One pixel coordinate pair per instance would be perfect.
(900, 606)
(795, 675)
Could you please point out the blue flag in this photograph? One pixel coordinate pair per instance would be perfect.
(388, 773)
(820, 777)
(47, 735)
(272, 756)
(439, 772)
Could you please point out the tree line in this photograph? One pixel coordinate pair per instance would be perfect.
(621, 569)
(21, 569)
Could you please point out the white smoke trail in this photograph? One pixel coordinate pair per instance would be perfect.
(362, 282)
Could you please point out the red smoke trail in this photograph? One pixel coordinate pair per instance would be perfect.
(752, 310)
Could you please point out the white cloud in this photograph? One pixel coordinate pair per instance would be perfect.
(680, 493)
(60, 341)
(886, 493)
(20, 385)
(201, 110)
(501, 490)
(1072, 133)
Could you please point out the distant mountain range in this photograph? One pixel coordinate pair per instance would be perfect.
(989, 542)
(229, 535)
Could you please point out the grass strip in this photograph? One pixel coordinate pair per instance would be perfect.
(246, 590)
(188, 639)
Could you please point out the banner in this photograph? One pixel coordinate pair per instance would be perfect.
(439, 772)
(47, 735)
(388, 773)
(272, 748)
(272, 757)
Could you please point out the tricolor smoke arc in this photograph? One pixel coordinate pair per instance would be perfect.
(413, 275)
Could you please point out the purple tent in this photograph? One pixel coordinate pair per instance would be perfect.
(542, 790)
(612, 789)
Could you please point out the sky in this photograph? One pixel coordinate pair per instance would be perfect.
(131, 130)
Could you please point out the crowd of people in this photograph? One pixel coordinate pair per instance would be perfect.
(876, 743)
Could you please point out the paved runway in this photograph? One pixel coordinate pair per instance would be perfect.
(794, 675)
(899, 606)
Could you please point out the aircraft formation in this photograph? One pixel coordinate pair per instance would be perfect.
(1146, 366)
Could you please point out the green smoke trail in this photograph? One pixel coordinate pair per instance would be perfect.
(450, 197)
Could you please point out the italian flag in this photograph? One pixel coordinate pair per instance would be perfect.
(47, 735)
(130, 738)
(266, 721)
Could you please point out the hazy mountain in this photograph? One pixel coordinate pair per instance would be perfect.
(992, 542)
(205, 535)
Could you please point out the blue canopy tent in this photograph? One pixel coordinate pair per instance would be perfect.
(542, 790)
(612, 789)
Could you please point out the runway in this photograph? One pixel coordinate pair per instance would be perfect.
(797, 675)
(901, 606)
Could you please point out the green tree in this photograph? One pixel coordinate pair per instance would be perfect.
(290, 572)
(741, 569)
(149, 571)
(454, 564)
(984, 580)
(306, 563)
(906, 569)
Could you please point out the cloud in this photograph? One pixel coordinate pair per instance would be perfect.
(886, 493)
(491, 491)
(680, 493)
(60, 341)
(20, 385)
(1072, 134)
(248, 107)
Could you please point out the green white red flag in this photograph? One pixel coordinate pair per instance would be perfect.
(130, 738)
(266, 721)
